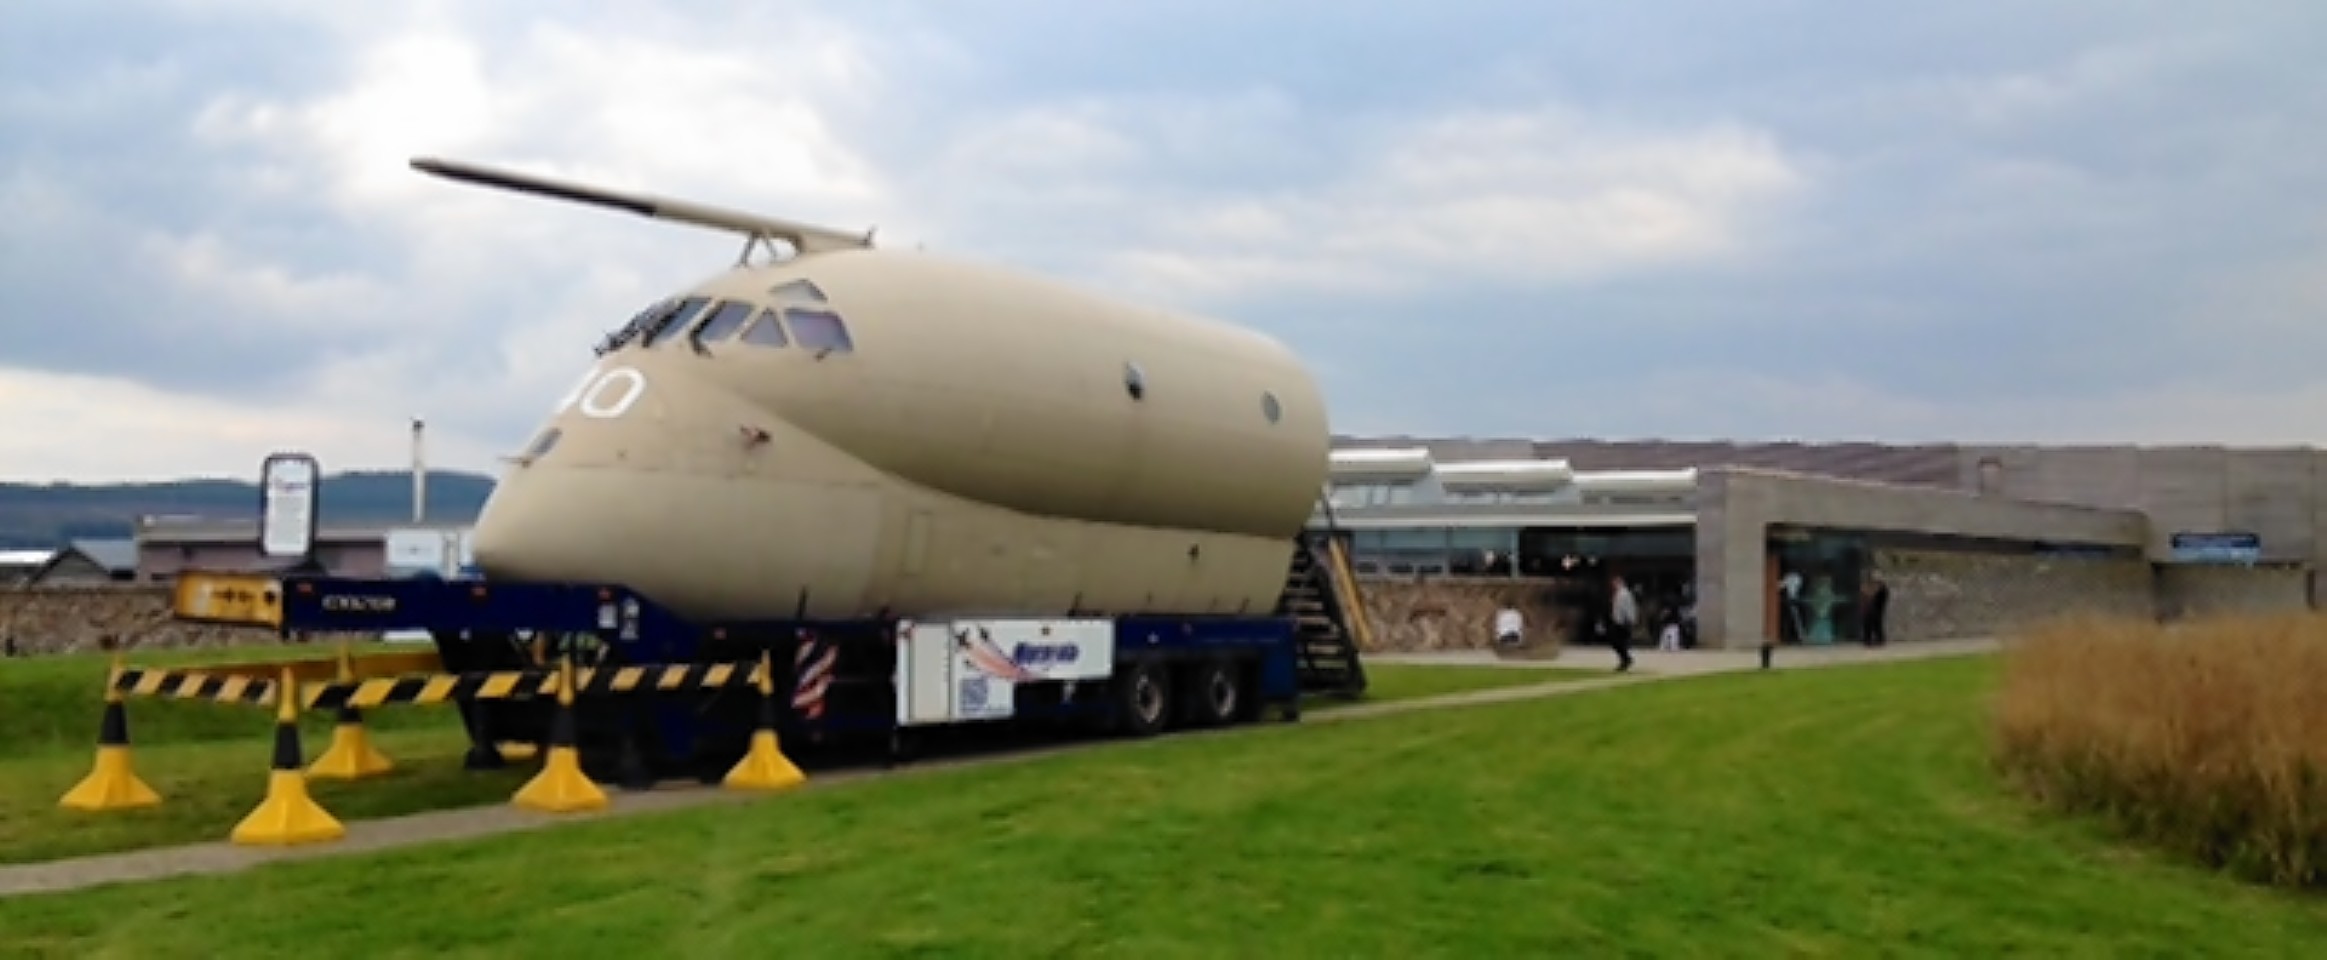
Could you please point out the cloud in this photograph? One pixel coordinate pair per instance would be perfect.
(113, 428)
(1822, 404)
(1518, 197)
(2082, 220)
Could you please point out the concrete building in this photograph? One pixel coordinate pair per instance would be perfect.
(1776, 540)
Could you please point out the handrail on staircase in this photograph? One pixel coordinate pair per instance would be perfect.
(1343, 577)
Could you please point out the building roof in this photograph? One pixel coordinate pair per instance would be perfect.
(25, 558)
(1928, 464)
(112, 556)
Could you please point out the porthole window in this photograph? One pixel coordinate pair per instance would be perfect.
(1134, 381)
(1269, 407)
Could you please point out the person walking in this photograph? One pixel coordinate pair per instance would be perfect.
(1878, 604)
(1623, 616)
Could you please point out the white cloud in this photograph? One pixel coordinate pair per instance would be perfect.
(102, 428)
(2103, 182)
(1545, 195)
(521, 285)
(1824, 404)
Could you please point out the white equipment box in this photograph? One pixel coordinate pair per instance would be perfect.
(955, 670)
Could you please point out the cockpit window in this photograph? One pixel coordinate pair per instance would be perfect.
(798, 290)
(638, 324)
(730, 315)
(818, 330)
(672, 323)
(765, 331)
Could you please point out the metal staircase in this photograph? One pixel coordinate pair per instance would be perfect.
(1321, 593)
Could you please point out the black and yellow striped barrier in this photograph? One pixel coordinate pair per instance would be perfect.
(239, 685)
(529, 684)
(665, 677)
(432, 688)
(195, 684)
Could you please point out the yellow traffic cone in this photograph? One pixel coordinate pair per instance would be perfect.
(764, 766)
(111, 784)
(287, 815)
(561, 786)
(351, 755)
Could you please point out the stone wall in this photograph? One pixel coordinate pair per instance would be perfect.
(2192, 591)
(62, 619)
(1949, 594)
(1458, 613)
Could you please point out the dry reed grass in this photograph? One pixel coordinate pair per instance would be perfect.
(2206, 738)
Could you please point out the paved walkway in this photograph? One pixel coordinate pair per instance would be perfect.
(471, 822)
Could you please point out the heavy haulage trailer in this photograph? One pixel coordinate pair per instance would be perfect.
(648, 697)
(658, 697)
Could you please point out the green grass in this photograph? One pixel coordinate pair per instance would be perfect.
(209, 761)
(1402, 681)
(1839, 812)
(54, 703)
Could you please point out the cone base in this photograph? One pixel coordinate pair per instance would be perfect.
(560, 787)
(110, 785)
(764, 767)
(351, 756)
(287, 816)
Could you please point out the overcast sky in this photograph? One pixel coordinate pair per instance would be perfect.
(2061, 221)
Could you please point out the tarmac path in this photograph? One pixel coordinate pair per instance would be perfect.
(221, 857)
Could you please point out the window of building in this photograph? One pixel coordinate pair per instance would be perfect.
(1372, 494)
(676, 320)
(801, 291)
(724, 321)
(818, 330)
(765, 331)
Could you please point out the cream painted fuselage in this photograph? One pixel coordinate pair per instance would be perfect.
(977, 448)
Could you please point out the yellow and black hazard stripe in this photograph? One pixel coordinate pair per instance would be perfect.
(195, 684)
(664, 677)
(432, 688)
(526, 684)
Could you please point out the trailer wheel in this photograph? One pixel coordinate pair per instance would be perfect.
(1146, 700)
(1217, 697)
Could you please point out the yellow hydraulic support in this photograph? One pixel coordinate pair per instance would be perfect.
(111, 783)
(287, 815)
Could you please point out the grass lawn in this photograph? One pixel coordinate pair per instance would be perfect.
(1829, 812)
(1407, 681)
(209, 761)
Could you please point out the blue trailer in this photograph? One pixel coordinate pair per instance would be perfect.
(663, 697)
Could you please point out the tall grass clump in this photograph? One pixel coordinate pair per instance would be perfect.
(2205, 738)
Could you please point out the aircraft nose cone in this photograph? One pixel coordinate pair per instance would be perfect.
(519, 537)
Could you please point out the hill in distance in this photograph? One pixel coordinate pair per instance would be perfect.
(43, 516)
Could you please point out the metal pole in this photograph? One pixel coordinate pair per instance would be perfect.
(419, 473)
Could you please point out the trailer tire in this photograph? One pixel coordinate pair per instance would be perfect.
(1144, 698)
(1216, 697)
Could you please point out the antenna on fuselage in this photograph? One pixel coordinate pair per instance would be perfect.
(758, 230)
